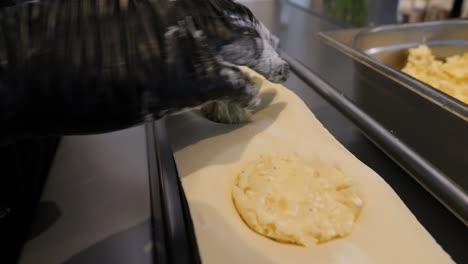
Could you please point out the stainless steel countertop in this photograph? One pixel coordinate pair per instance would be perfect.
(95, 207)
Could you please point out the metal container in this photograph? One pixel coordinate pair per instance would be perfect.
(430, 126)
(389, 45)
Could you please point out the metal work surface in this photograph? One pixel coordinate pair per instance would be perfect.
(95, 206)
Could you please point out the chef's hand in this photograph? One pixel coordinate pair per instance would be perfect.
(79, 67)
(200, 76)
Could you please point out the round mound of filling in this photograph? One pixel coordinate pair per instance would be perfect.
(293, 201)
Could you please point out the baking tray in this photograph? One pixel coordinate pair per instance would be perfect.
(174, 240)
(427, 129)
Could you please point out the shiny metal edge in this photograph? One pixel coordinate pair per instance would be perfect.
(420, 25)
(157, 216)
(173, 232)
(372, 51)
(433, 180)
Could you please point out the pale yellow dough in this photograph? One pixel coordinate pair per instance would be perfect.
(209, 156)
(294, 201)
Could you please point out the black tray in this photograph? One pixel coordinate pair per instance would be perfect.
(173, 232)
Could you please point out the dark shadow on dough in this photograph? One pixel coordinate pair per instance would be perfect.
(189, 128)
(267, 97)
(219, 240)
(232, 113)
(47, 214)
(133, 245)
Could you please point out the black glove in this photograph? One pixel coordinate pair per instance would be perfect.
(90, 66)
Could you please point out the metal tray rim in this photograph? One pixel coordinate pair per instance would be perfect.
(377, 29)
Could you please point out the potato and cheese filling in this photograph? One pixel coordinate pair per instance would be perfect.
(292, 201)
(450, 77)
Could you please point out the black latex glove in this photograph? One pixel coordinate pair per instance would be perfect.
(90, 66)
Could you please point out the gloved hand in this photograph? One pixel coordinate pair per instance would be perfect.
(90, 66)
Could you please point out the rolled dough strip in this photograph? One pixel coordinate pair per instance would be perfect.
(209, 155)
